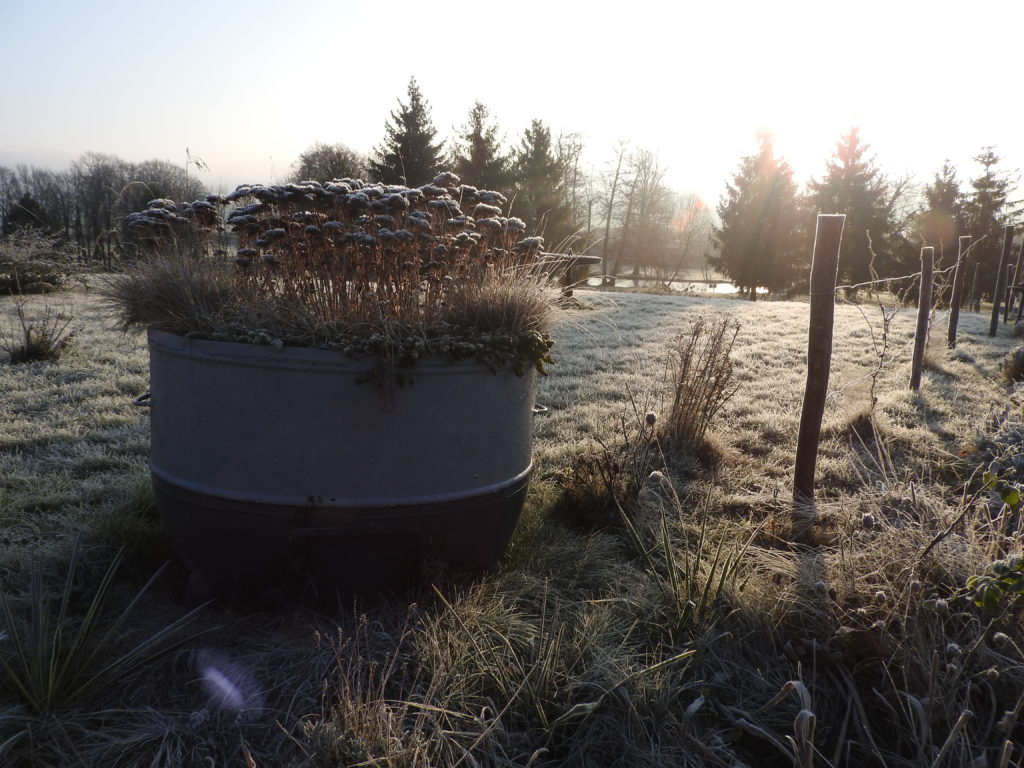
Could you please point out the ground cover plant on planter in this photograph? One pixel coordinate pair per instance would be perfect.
(358, 380)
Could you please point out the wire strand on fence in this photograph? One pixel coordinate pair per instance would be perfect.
(885, 354)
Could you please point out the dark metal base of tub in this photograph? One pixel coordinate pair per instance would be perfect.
(232, 548)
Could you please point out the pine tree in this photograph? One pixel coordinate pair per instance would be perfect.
(539, 199)
(477, 157)
(941, 220)
(759, 242)
(25, 212)
(854, 186)
(409, 154)
(985, 211)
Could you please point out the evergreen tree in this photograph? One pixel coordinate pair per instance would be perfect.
(538, 198)
(853, 185)
(25, 212)
(941, 221)
(985, 211)
(409, 154)
(759, 241)
(324, 162)
(476, 156)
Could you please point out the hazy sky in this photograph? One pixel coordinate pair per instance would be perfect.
(246, 86)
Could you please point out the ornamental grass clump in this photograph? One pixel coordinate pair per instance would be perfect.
(372, 270)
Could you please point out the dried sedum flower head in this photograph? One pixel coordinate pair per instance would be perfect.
(366, 267)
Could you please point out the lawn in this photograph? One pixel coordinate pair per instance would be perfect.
(699, 625)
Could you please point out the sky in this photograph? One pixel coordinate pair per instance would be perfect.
(248, 86)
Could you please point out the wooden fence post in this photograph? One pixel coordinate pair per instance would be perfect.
(975, 299)
(1018, 279)
(824, 270)
(959, 271)
(1000, 278)
(924, 307)
(1008, 296)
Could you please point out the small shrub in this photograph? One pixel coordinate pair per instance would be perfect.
(610, 474)
(32, 262)
(40, 337)
(1013, 365)
(1004, 580)
(700, 379)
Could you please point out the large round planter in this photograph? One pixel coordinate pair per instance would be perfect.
(262, 454)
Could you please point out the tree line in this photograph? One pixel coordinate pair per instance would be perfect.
(764, 235)
(84, 205)
(623, 212)
(629, 216)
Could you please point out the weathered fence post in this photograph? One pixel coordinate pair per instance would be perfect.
(964, 243)
(1017, 280)
(975, 299)
(824, 269)
(924, 307)
(1020, 281)
(1000, 278)
(1008, 297)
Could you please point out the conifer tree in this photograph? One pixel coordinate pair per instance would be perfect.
(25, 212)
(854, 186)
(409, 153)
(985, 212)
(941, 220)
(539, 199)
(759, 242)
(476, 156)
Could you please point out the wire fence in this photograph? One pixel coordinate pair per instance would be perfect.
(898, 290)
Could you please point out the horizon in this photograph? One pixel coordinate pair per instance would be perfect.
(656, 77)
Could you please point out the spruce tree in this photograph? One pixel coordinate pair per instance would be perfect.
(25, 212)
(853, 185)
(476, 156)
(409, 154)
(941, 220)
(539, 198)
(759, 242)
(985, 211)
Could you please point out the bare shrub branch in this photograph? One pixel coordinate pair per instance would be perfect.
(700, 379)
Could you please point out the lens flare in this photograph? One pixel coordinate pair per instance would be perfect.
(227, 685)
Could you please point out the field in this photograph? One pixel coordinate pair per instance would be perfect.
(704, 625)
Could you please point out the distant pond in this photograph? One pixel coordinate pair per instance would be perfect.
(683, 286)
